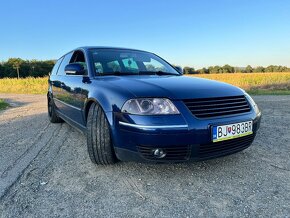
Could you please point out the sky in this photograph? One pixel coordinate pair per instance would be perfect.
(196, 33)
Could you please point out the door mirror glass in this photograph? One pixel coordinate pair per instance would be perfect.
(74, 69)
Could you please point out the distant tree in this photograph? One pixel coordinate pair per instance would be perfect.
(280, 69)
(259, 69)
(188, 70)
(16, 63)
(203, 71)
(1, 71)
(16, 67)
(270, 68)
(215, 69)
(249, 69)
(228, 69)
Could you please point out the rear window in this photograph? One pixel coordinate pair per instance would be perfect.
(56, 66)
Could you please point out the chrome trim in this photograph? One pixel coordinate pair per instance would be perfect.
(153, 127)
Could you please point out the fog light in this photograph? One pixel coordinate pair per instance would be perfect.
(159, 153)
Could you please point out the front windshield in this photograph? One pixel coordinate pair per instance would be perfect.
(129, 62)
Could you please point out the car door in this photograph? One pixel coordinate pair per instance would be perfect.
(59, 83)
(74, 90)
(53, 79)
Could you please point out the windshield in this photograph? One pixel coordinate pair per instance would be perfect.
(129, 62)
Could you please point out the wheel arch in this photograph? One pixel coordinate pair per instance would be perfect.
(102, 103)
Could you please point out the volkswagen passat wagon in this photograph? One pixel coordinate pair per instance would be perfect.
(134, 106)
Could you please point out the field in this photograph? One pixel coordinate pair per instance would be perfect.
(254, 83)
(28, 85)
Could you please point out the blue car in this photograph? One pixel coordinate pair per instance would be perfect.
(134, 106)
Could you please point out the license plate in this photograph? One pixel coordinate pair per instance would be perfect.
(230, 131)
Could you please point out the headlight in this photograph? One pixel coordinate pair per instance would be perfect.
(149, 106)
(252, 102)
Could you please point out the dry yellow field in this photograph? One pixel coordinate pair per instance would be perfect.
(255, 83)
(28, 85)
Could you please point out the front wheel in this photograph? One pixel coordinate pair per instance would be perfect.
(98, 137)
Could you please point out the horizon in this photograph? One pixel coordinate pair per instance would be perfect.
(236, 67)
(195, 34)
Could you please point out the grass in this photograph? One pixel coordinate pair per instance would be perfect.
(3, 104)
(269, 92)
(28, 85)
(254, 83)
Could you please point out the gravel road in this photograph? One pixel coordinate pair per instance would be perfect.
(45, 171)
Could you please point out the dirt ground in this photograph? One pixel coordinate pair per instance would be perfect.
(45, 171)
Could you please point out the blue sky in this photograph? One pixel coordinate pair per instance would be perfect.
(186, 32)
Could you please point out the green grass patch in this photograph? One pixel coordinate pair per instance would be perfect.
(268, 92)
(3, 104)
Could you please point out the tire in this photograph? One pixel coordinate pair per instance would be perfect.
(99, 138)
(52, 115)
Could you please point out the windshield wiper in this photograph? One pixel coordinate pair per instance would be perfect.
(119, 73)
(159, 73)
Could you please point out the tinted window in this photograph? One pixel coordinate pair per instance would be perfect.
(65, 62)
(56, 66)
(122, 61)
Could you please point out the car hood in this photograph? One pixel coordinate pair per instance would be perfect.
(173, 87)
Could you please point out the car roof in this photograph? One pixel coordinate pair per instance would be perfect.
(106, 47)
(86, 48)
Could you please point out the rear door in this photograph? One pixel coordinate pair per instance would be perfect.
(59, 84)
(53, 77)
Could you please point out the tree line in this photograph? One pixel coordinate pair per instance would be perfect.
(230, 69)
(17, 67)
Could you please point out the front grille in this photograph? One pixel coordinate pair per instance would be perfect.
(178, 153)
(215, 107)
(225, 147)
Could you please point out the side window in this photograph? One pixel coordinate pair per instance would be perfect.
(65, 62)
(56, 66)
(79, 57)
(130, 65)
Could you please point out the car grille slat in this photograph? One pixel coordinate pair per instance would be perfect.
(215, 107)
(221, 109)
(224, 147)
(220, 113)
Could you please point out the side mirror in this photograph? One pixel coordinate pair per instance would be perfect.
(179, 69)
(74, 69)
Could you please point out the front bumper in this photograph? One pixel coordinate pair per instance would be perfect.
(183, 136)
